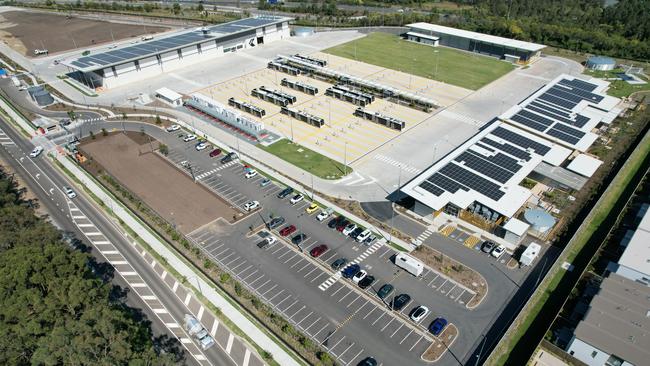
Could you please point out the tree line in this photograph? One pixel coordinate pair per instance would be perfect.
(57, 305)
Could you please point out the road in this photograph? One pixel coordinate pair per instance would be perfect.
(307, 287)
(46, 183)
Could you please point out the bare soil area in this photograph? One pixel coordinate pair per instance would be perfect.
(25, 31)
(441, 344)
(172, 194)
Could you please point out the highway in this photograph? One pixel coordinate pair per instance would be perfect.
(159, 303)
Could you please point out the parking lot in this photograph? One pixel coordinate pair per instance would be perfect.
(351, 323)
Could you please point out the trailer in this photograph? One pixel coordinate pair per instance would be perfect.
(409, 264)
(529, 255)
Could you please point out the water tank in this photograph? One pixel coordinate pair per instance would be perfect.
(601, 63)
(540, 220)
(303, 32)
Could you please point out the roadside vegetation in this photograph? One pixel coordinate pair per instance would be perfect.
(307, 159)
(619, 88)
(57, 305)
(464, 69)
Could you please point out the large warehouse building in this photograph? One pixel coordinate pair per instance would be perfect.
(124, 65)
(504, 48)
(547, 134)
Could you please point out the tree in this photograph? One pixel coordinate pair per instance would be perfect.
(158, 121)
(163, 149)
(104, 132)
(54, 308)
(176, 8)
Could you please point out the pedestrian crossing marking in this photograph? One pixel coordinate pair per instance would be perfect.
(405, 167)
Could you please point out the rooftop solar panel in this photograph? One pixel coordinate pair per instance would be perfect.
(520, 140)
(527, 122)
(510, 149)
(569, 130)
(563, 136)
(580, 84)
(445, 183)
(432, 188)
(483, 166)
(473, 181)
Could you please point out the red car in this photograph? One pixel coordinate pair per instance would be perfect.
(215, 152)
(317, 251)
(288, 230)
(341, 225)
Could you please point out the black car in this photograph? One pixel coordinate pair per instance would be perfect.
(285, 192)
(334, 222)
(275, 222)
(299, 238)
(385, 290)
(399, 302)
(368, 361)
(337, 264)
(356, 232)
(229, 157)
(367, 281)
(488, 246)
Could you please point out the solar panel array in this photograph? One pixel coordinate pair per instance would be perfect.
(170, 43)
(551, 113)
(485, 173)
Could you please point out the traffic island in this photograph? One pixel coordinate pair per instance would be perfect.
(455, 270)
(440, 344)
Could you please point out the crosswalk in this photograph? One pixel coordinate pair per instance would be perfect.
(210, 172)
(447, 229)
(336, 276)
(422, 237)
(460, 117)
(472, 241)
(4, 139)
(405, 167)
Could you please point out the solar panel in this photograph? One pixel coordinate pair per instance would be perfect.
(484, 146)
(580, 84)
(520, 140)
(431, 188)
(569, 130)
(483, 166)
(527, 122)
(473, 181)
(563, 136)
(510, 149)
(446, 183)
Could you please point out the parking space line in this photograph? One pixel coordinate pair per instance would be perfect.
(321, 330)
(406, 336)
(234, 261)
(347, 349)
(308, 273)
(317, 277)
(287, 252)
(337, 343)
(358, 296)
(346, 295)
(370, 312)
(269, 290)
(245, 278)
(381, 316)
(396, 330)
(303, 267)
(294, 254)
(297, 262)
(355, 356)
(387, 324)
(279, 249)
(289, 307)
(312, 324)
(339, 289)
(258, 278)
(274, 296)
(306, 316)
(416, 343)
(296, 313)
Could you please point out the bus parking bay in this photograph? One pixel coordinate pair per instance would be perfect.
(348, 323)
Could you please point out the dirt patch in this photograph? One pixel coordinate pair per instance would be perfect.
(25, 31)
(440, 344)
(129, 159)
(454, 270)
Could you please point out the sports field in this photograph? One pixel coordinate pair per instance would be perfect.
(450, 66)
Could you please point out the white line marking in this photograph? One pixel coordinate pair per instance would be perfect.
(187, 299)
(231, 338)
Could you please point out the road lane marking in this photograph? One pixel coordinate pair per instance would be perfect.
(231, 338)
(187, 299)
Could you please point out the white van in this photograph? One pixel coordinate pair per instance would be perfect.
(147, 38)
(409, 264)
(364, 235)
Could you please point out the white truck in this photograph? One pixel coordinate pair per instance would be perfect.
(529, 255)
(146, 38)
(40, 52)
(196, 330)
(16, 81)
(409, 264)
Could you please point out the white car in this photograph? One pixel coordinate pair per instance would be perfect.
(297, 198)
(364, 235)
(173, 128)
(250, 174)
(359, 276)
(419, 313)
(189, 138)
(349, 229)
(201, 146)
(36, 152)
(322, 215)
(498, 251)
(251, 205)
(69, 192)
(271, 240)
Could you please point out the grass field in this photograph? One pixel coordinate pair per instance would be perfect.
(619, 88)
(306, 159)
(454, 67)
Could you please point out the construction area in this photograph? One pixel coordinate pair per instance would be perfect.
(25, 31)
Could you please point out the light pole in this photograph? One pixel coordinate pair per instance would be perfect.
(345, 158)
(435, 73)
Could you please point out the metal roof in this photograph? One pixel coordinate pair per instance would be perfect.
(173, 42)
(617, 321)
(584, 165)
(508, 42)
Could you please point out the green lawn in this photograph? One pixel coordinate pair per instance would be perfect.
(306, 159)
(618, 88)
(454, 67)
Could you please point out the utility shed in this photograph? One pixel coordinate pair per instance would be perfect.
(169, 96)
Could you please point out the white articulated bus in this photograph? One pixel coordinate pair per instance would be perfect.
(409, 264)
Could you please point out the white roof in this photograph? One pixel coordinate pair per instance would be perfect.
(590, 112)
(557, 155)
(422, 35)
(168, 93)
(508, 42)
(513, 195)
(637, 252)
(516, 226)
(584, 164)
